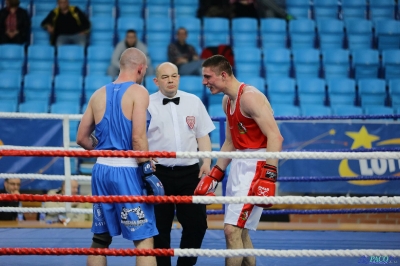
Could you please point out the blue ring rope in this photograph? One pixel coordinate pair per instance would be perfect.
(325, 211)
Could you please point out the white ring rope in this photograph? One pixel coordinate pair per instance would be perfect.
(46, 177)
(41, 116)
(285, 253)
(254, 155)
(45, 210)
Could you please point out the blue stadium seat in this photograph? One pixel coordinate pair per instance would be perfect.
(249, 61)
(41, 59)
(216, 110)
(378, 110)
(94, 82)
(38, 95)
(130, 8)
(10, 82)
(37, 82)
(394, 92)
(330, 33)
(281, 90)
(241, 25)
(298, 8)
(354, 9)
(277, 62)
(158, 54)
(336, 63)
(186, 3)
(70, 59)
(192, 84)
(98, 59)
(150, 85)
(391, 63)
(311, 91)
(159, 2)
(12, 58)
(241, 39)
(158, 25)
(273, 33)
(102, 8)
(68, 82)
(387, 33)
(40, 37)
(102, 30)
(217, 31)
(42, 8)
(341, 91)
(65, 108)
(346, 110)
(306, 63)
(213, 98)
(8, 106)
(302, 33)
(33, 107)
(381, 9)
(359, 33)
(158, 38)
(253, 80)
(365, 63)
(130, 23)
(372, 91)
(325, 9)
(158, 11)
(285, 110)
(315, 110)
(9, 95)
(185, 11)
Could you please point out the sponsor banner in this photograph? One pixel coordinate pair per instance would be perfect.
(32, 133)
(340, 135)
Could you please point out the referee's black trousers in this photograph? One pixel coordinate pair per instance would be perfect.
(179, 181)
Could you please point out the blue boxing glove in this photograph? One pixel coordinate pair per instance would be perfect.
(152, 183)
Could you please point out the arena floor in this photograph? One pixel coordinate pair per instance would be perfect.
(214, 239)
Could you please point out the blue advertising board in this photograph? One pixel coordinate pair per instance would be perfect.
(338, 136)
(32, 133)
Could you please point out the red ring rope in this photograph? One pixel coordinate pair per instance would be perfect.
(86, 251)
(96, 199)
(83, 153)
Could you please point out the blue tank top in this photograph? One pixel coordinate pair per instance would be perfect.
(114, 132)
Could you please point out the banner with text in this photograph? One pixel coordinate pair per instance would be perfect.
(340, 135)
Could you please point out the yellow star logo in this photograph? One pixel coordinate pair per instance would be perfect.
(362, 138)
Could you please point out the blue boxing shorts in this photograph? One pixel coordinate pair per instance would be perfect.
(120, 176)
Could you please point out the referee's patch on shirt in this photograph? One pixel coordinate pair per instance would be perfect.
(190, 120)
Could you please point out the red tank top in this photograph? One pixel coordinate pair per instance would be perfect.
(244, 130)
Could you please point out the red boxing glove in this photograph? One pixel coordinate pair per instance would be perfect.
(265, 185)
(209, 183)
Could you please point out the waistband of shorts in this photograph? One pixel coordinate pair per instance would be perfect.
(253, 150)
(118, 162)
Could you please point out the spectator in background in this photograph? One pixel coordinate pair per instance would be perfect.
(212, 8)
(66, 25)
(76, 217)
(131, 40)
(244, 9)
(272, 9)
(184, 55)
(15, 23)
(11, 186)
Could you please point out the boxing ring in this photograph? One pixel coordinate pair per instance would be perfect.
(67, 246)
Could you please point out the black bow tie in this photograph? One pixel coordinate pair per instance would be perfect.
(174, 100)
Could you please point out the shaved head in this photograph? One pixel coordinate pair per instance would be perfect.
(131, 58)
(164, 65)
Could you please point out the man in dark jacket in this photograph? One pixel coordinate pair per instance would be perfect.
(67, 24)
(15, 24)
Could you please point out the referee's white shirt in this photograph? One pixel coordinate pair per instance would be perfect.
(176, 127)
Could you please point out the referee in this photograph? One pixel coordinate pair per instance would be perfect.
(179, 122)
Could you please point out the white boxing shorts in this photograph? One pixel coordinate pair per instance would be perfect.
(241, 175)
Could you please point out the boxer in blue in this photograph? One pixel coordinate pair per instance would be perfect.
(117, 112)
